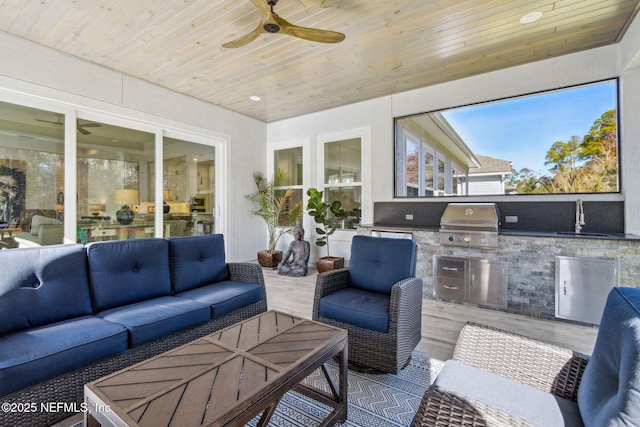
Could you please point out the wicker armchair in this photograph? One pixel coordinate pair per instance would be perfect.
(547, 367)
(377, 300)
(497, 378)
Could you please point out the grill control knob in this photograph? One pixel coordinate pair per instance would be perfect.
(467, 239)
(451, 238)
(483, 240)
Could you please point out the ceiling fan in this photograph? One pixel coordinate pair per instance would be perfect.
(272, 23)
(80, 126)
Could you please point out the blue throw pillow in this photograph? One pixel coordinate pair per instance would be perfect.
(609, 392)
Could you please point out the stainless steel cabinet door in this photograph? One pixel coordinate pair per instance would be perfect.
(582, 286)
(488, 283)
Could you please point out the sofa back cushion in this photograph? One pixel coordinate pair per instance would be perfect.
(377, 263)
(39, 286)
(38, 221)
(609, 392)
(124, 272)
(197, 261)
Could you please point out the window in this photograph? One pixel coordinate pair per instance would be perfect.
(113, 182)
(188, 188)
(288, 176)
(31, 173)
(554, 142)
(343, 178)
(98, 181)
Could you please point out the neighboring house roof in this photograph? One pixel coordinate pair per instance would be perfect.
(491, 165)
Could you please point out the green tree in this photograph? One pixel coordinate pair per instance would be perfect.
(564, 155)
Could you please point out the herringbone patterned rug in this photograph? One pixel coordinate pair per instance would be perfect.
(381, 400)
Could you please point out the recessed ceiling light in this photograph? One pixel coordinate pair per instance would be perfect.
(530, 17)
(255, 98)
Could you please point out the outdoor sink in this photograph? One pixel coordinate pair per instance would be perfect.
(573, 233)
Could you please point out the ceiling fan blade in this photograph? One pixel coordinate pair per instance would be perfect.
(313, 34)
(262, 6)
(90, 125)
(49, 121)
(244, 40)
(83, 131)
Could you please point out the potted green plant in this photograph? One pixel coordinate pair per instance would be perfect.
(275, 211)
(325, 215)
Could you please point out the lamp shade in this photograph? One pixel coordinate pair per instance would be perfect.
(125, 197)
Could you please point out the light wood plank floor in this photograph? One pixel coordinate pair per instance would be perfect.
(441, 321)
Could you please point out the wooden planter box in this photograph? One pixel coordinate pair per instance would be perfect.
(329, 263)
(269, 259)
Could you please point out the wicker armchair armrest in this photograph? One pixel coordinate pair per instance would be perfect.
(406, 305)
(440, 407)
(550, 368)
(328, 283)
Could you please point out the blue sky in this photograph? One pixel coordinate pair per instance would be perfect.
(523, 129)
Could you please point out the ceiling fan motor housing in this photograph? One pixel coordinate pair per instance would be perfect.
(271, 28)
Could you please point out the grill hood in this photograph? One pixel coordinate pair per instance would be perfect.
(470, 216)
(470, 224)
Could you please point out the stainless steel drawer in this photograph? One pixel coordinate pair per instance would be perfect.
(449, 267)
(450, 288)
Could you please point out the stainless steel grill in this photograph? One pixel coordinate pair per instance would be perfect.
(470, 224)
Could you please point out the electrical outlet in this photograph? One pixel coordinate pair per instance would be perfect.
(408, 217)
(511, 219)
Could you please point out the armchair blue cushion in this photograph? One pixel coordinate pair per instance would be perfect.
(40, 286)
(376, 263)
(609, 392)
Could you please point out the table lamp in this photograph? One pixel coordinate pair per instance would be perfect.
(126, 198)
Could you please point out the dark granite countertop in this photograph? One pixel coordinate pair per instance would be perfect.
(507, 232)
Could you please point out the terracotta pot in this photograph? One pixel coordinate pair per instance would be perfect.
(269, 259)
(329, 263)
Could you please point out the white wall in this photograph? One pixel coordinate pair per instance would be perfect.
(32, 72)
(582, 67)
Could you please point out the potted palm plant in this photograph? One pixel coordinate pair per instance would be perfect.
(325, 215)
(276, 212)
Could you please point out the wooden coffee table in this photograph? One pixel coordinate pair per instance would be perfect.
(226, 378)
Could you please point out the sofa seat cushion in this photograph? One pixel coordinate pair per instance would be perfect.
(28, 357)
(226, 296)
(123, 272)
(155, 318)
(609, 392)
(368, 310)
(520, 400)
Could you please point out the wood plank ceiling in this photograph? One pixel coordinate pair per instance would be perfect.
(390, 46)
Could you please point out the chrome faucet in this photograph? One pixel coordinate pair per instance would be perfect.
(579, 216)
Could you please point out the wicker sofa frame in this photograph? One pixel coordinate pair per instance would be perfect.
(68, 388)
(550, 368)
(386, 352)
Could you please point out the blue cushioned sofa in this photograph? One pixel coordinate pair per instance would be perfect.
(70, 314)
(497, 378)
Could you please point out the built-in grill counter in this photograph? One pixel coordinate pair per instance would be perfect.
(458, 255)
